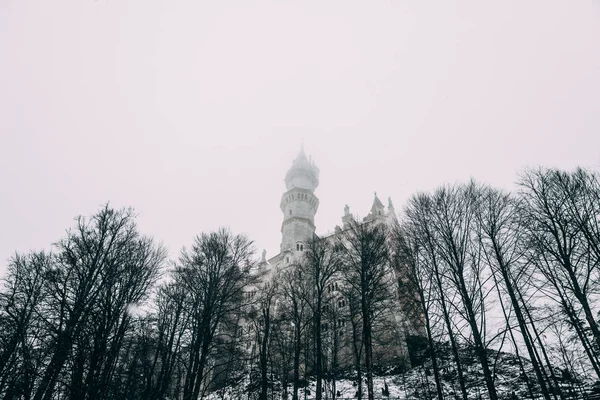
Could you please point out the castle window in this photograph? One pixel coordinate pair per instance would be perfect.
(290, 212)
(299, 246)
(287, 260)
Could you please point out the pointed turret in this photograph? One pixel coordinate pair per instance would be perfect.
(377, 208)
(301, 154)
(391, 210)
(347, 218)
(303, 174)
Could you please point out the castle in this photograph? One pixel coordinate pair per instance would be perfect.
(299, 205)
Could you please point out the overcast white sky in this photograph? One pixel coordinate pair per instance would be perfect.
(192, 111)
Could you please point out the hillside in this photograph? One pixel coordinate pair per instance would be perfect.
(418, 383)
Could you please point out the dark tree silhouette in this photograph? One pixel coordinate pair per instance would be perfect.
(368, 276)
(213, 274)
(318, 267)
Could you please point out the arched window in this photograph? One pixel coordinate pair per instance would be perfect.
(290, 212)
(299, 246)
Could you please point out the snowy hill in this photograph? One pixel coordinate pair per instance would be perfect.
(418, 383)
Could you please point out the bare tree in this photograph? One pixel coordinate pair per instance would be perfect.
(213, 274)
(369, 279)
(356, 341)
(556, 210)
(336, 342)
(260, 316)
(171, 325)
(416, 288)
(20, 299)
(422, 220)
(461, 252)
(502, 234)
(318, 267)
(101, 251)
(294, 294)
(125, 286)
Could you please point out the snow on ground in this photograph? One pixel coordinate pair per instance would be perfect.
(418, 383)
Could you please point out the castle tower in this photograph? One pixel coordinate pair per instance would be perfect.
(392, 217)
(299, 206)
(377, 210)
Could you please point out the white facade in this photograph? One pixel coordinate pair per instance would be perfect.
(299, 205)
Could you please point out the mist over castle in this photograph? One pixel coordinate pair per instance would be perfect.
(164, 236)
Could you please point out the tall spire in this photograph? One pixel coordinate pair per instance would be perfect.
(391, 210)
(377, 208)
(303, 173)
(301, 154)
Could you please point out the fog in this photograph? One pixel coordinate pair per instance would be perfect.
(191, 112)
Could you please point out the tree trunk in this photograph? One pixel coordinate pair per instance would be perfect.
(297, 348)
(589, 316)
(264, 382)
(436, 372)
(520, 319)
(63, 348)
(357, 358)
(319, 352)
(448, 323)
(368, 343)
(479, 348)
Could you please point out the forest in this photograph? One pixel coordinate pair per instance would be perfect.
(468, 273)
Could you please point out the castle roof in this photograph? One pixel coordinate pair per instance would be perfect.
(303, 166)
(377, 205)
